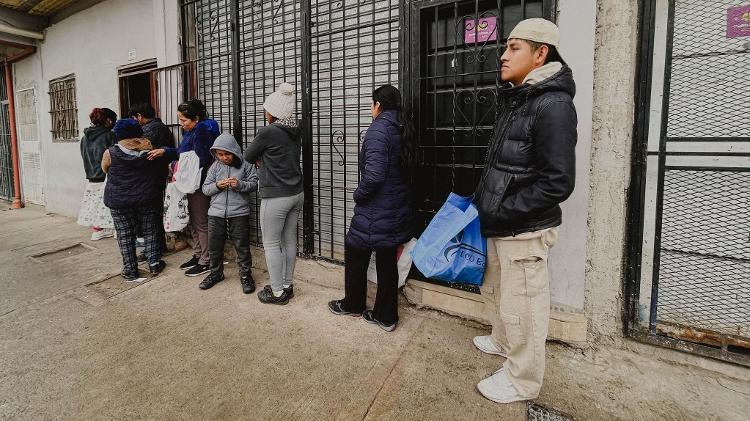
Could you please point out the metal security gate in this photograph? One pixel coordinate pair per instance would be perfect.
(334, 52)
(6, 162)
(689, 283)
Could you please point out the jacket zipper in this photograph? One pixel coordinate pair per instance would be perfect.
(226, 197)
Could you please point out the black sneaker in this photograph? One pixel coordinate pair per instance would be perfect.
(210, 281)
(266, 297)
(197, 270)
(367, 315)
(248, 284)
(130, 276)
(337, 309)
(157, 268)
(141, 257)
(190, 263)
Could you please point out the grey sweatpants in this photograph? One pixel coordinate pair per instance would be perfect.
(278, 223)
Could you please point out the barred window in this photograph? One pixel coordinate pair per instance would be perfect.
(63, 108)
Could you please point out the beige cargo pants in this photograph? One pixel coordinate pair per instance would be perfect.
(517, 300)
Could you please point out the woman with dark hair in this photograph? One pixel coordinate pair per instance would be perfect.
(96, 139)
(199, 135)
(382, 213)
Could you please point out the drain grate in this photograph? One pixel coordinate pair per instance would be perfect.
(540, 413)
(58, 254)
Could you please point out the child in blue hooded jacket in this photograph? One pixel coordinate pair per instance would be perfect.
(229, 183)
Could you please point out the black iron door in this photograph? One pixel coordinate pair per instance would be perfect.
(456, 48)
(690, 280)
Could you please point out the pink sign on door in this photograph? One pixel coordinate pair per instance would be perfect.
(481, 30)
(738, 21)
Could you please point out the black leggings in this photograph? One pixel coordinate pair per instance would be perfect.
(355, 283)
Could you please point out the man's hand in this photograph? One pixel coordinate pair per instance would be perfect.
(232, 182)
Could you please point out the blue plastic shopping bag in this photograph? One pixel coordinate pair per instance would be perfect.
(452, 247)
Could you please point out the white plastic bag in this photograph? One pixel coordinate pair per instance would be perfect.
(176, 214)
(404, 263)
(93, 212)
(188, 177)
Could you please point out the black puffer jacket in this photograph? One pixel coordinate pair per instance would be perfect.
(531, 159)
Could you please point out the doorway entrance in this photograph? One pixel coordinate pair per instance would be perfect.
(135, 84)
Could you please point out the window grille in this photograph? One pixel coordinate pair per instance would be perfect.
(63, 108)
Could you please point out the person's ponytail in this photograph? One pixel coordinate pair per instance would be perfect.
(389, 98)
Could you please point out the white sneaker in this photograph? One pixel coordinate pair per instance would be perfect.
(98, 235)
(498, 388)
(487, 345)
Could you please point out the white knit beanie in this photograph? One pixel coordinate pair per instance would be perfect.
(280, 104)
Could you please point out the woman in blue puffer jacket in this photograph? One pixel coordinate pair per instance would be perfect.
(382, 213)
(199, 135)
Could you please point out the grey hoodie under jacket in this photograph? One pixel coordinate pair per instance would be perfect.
(230, 202)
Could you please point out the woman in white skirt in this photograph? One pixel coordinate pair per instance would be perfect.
(96, 139)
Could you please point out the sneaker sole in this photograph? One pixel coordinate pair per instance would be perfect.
(515, 399)
(185, 269)
(345, 313)
(193, 275)
(390, 328)
(278, 303)
(490, 352)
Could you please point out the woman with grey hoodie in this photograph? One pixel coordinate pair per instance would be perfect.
(229, 182)
(276, 149)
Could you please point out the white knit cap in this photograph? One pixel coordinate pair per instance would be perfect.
(280, 104)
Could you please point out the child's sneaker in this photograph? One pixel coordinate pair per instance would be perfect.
(248, 284)
(210, 281)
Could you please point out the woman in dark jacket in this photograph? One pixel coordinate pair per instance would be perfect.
(382, 214)
(132, 192)
(199, 135)
(96, 139)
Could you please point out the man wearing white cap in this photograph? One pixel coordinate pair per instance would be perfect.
(530, 170)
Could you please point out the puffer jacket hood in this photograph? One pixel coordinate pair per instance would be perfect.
(226, 142)
(562, 81)
(230, 202)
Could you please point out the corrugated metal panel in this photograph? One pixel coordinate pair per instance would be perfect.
(50, 7)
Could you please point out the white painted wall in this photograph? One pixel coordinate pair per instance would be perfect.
(92, 44)
(577, 23)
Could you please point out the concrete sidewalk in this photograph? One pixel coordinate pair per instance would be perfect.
(78, 343)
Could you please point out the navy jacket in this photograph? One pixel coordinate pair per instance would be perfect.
(132, 180)
(382, 214)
